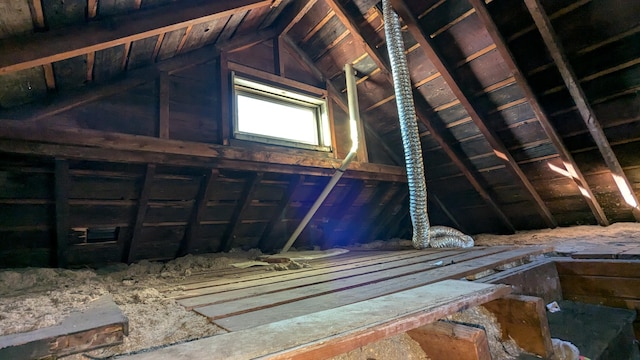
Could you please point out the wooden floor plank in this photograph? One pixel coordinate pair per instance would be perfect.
(220, 285)
(219, 296)
(327, 333)
(240, 275)
(616, 268)
(381, 288)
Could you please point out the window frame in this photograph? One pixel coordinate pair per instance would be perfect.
(279, 94)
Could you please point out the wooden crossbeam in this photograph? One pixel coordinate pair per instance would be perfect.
(243, 203)
(553, 43)
(145, 192)
(265, 244)
(62, 211)
(463, 165)
(55, 45)
(192, 232)
(427, 45)
(565, 155)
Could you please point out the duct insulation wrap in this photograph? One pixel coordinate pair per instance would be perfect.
(423, 235)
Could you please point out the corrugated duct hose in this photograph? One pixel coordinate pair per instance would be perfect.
(423, 235)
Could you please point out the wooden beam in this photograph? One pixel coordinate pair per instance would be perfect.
(91, 60)
(421, 112)
(278, 56)
(292, 15)
(239, 43)
(524, 319)
(426, 44)
(444, 340)
(391, 212)
(341, 210)
(164, 97)
(125, 56)
(65, 43)
(565, 155)
(446, 211)
(553, 43)
(370, 210)
(92, 8)
(193, 229)
(129, 249)
(224, 135)
(265, 244)
(242, 204)
(37, 15)
(302, 58)
(62, 211)
(49, 76)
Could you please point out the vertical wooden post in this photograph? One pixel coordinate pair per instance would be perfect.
(143, 199)
(278, 57)
(62, 211)
(163, 121)
(265, 244)
(241, 206)
(200, 205)
(225, 100)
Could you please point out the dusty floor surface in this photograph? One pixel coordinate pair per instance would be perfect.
(35, 298)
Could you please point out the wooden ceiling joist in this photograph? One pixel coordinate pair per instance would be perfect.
(60, 44)
(421, 112)
(572, 167)
(557, 52)
(426, 43)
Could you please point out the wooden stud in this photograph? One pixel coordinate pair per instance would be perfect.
(62, 211)
(226, 91)
(553, 43)
(183, 41)
(125, 56)
(524, 319)
(129, 249)
(242, 204)
(156, 49)
(265, 244)
(37, 15)
(49, 76)
(163, 114)
(193, 229)
(91, 59)
(278, 56)
(92, 8)
(65, 43)
(421, 106)
(444, 340)
(427, 45)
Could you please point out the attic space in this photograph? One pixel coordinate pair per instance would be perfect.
(227, 167)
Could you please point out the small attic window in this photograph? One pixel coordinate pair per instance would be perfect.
(272, 115)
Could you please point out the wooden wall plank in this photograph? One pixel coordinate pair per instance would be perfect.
(62, 211)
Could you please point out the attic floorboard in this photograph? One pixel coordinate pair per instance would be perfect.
(243, 299)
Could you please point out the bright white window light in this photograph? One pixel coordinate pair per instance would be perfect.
(273, 115)
(277, 119)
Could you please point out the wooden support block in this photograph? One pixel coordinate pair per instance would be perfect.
(538, 278)
(524, 319)
(443, 340)
(102, 324)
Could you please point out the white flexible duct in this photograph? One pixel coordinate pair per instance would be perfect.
(423, 235)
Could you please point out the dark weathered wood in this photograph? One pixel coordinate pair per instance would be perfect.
(225, 100)
(421, 112)
(239, 43)
(446, 211)
(556, 50)
(444, 340)
(538, 278)
(106, 146)
(524, 319)
(101, 324)
(301, 57)
(341, 210)
(615, 268)
(389, 214)
(62, 211)
(278, 57)
(426, 44)
(193, 230)
(307, 337)
(55, 45)
(370, 212)
(290, 17)
(145, 192)
(265, 244)
(572, 167)
(163, 114)
(241, 205)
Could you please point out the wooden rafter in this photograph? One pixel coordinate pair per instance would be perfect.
(446, 211)
(426, 44)
(341, 210)
(369, 210)
(500, 43)
(265, 244)
(556, 50)
(192, 232)
(65, 43)
(463, 165)
(290, 17)
(390, 213)
(129, 249)
(49, 76)
(375, 211)
(37, 15)
(62, 211)
(243, 203)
